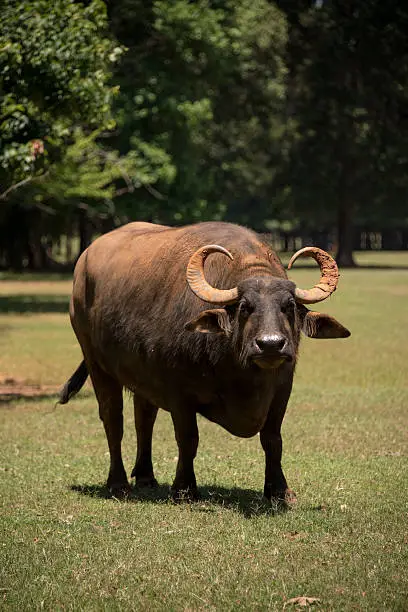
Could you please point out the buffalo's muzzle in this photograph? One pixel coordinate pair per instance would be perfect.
(271, 344)
(272, 351)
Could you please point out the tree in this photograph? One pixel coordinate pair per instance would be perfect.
(54, 68)
(203, 84)
(55, 65)
(197, 121)
(348, 93)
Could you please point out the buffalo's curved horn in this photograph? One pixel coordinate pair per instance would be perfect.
(198, 283)
(328, 280)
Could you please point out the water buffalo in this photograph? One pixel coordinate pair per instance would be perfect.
(138, 312)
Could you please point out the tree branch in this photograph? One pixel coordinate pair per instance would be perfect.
(3, 196)
(29, 179)
(129, 183)
(156, 194)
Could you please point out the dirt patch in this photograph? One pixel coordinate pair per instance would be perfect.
(399, 290)
(12, 389)
(35, 287)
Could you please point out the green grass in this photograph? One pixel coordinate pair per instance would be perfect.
(66, 546)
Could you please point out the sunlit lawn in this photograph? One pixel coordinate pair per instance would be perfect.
(65, 546)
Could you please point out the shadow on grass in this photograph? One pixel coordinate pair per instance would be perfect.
(64, 273)
(8, 398)
(24, 304)
(33, 394)
(247, 502)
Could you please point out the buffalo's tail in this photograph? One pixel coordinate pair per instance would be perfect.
(74, 384)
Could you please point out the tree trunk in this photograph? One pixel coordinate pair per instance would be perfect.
(34, 247)
(345, 231)
(85, 230)
(15, 237)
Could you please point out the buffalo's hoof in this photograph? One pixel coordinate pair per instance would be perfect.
(290, 498)
(283, 500)
(120, 490)
(190, 494)
(147, 482)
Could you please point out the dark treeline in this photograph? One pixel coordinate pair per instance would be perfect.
(289, 117)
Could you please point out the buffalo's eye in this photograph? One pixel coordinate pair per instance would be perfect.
(288, 308)
(246, 309)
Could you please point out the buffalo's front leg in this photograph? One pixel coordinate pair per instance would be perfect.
(145, 417)
(109, 395)
(276, 488)
(186, 431)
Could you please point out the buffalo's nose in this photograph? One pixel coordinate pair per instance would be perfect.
(273, 343)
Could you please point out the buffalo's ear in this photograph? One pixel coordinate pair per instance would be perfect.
(214, 321)
(319, 325)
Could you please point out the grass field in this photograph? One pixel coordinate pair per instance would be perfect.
(66, 546)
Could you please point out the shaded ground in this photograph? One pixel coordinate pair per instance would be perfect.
(28, 304)
(12, 389)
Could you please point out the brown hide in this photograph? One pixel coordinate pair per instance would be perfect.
(131, 302)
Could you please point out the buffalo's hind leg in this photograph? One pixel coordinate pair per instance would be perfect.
(276, 488)
(145, 417)
(109, 395)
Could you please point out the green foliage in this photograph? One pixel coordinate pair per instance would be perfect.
(55, 60)
(205, 83)
(86, 171)
(289, 114)
(348, 91)
(91, 175)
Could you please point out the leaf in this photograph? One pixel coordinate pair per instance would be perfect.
(302, 601)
